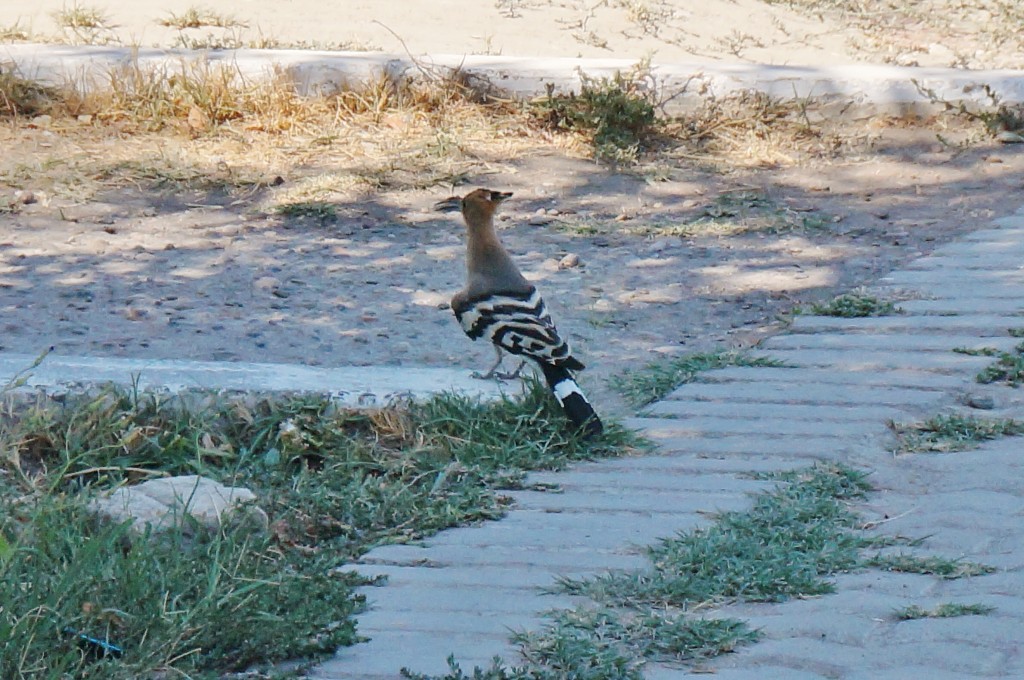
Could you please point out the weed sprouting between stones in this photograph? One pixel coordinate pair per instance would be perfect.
(855, 304)
(951, 432)
(655, 380)
(782, 547)
(1007, 369)
(934, 565)
(943, 611)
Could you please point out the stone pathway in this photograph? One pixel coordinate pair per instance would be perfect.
(462, 591)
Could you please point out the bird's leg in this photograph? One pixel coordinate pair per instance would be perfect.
(514, 374)
(493, 372)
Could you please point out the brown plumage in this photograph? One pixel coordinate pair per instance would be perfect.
(500, 304)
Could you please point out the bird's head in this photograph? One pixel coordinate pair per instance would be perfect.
(477, 205)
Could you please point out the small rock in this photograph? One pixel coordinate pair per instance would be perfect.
(85, 118)
(569, 261)
(689, 203)
(267, 283)
(162, 504)
(41, 121)
(24, 196)
(980, 401)
(1007, 137)
(538, 220)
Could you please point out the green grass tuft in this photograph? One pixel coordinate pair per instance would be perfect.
(333, 482)
(854, 305)
(936, 566)
(219, 604)
(1008, 368)
(657, 379)
(617, 114)
(954, 432)
(977, 351)
(943, 611)
(315, 210)
(780, 548)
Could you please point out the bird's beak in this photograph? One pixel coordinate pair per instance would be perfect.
(499, 196)
(450, 204)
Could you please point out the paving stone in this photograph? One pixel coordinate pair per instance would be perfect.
(963, 305)
(992, 630)
(910, 673)
(817, 656)
(589, 534)
(409, 598)
(947, 655)
(797, 391)
(1006, 605)
(965, 278)
(678, 408)
(801, 449)
(482, 622)
(760, 673)
(892, 342)
(674, 479)
(717, 427)
(386, 655)
(899, 384)
(690, 463)
(567, 562)
(968, 261)
(866, 360)
(981, 324)
(527, 577)
(614, 500)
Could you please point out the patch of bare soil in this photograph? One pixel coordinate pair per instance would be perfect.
(634, 265)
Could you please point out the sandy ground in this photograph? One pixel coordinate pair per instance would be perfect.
(940, 33)
(191, 276)
(166, 274)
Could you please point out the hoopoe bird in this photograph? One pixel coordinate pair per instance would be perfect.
(499, 304)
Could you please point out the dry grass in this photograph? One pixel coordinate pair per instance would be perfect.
(14, 33)
(85, 25)
(203, 121)
(195, 17)
(198, 125)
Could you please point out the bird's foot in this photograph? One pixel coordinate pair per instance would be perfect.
(495, 375)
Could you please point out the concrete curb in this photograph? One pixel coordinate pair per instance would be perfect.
(892, 89)
(364, 386)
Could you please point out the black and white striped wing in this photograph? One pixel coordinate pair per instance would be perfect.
(518, 323)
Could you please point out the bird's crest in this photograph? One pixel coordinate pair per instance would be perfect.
(480, 198)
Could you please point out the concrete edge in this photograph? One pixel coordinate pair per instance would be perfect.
(354, 386)
(893, 89)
